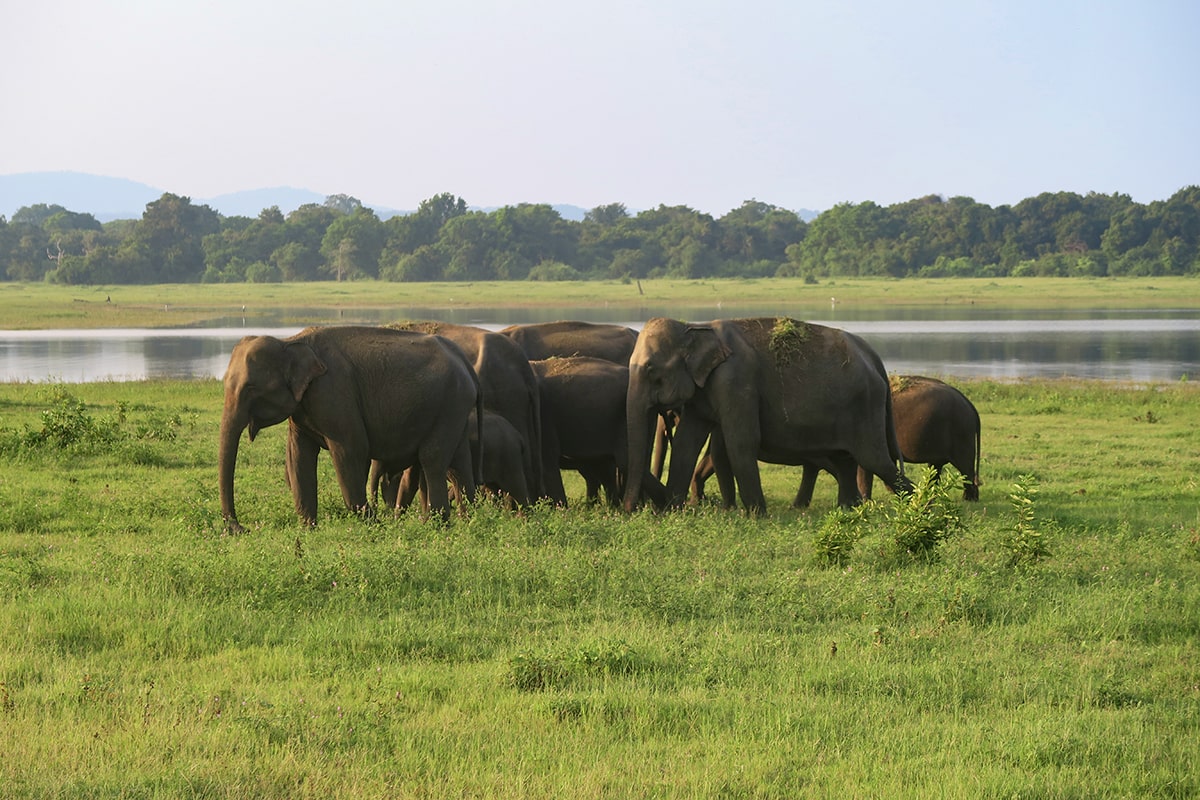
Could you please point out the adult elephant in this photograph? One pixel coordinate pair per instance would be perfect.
(542, 340)
(583, 426)
(774, 389)
(362, 393)
(510, 388)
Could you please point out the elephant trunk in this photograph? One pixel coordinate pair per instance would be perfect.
(640, 422)
(232, 425)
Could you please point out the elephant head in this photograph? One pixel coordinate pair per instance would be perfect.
(264, 384)
(670, 364)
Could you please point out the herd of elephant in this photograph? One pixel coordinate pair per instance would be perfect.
(438, 411)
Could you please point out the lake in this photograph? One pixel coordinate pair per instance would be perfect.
(1142, 346)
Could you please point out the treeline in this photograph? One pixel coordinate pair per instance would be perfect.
(176, 241)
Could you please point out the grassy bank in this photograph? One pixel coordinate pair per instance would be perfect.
(29, 306)
(1048, 647)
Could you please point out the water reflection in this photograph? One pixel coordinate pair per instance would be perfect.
(1152, 346)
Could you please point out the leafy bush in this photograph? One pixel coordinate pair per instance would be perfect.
(839, 532)
(554, 271)
(1025, 544)
(922, 519)
(68, 425)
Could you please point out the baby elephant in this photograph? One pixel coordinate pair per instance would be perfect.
(935, 424)
(506, 458)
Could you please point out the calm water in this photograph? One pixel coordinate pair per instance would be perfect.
(1137, 346)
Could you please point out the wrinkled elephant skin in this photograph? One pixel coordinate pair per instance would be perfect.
(776, 389)
(359, 392)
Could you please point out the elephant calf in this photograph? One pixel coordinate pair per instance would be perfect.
(583, 426)
(505, 459)
(935, 424)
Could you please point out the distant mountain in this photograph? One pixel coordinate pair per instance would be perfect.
(252, 201)
(102, 197)
(117, 198)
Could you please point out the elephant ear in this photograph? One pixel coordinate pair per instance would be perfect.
(303, 367)
(705, 352)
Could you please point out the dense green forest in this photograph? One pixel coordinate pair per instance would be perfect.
(176, 241)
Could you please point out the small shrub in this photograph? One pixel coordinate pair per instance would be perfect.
(1025, 544)
(839, 533)
(67, 423)
(923, 518)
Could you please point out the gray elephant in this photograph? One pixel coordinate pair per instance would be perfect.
(360, 392)
(510, 388)
(542, 340)
(937, 425)
(774, 389)
(504, 457)
(583, 426)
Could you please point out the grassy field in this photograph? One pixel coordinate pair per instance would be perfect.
(30, 306)
(1047, 646)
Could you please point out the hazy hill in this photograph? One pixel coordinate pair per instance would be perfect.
(108, 198)
(102, 197)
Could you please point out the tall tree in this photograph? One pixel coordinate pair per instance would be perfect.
(352, 244)
(168, 242)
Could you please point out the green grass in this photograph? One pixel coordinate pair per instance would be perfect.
(29, 306)
(585, 653)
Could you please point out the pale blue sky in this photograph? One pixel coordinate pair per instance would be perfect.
(680, 102)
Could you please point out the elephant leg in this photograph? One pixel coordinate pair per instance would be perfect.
(662, 441)
(866, 483)
(375, 477)
(690, 435)
(462, 466)
(737, 463)
(435, 492)
(613, 486)
(351, 468)
(301, 460)
(846, 471)
(517, 489)
(808, 483)
(653, 490)
(593, 480)
(717, 461)
(700, 475)
(389, 490)
(407, 487)
(970, 480)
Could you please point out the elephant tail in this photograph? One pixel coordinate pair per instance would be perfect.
(893, 442)
(978, 450)
(534, 458)
(478, 454)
